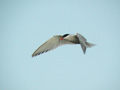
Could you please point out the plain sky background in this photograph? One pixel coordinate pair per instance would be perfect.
(26, 24)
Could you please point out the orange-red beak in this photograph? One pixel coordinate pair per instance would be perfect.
(61, 38)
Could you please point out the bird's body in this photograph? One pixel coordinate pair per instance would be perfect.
(59, 40)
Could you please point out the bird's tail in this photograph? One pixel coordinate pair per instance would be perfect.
(88, 45)
(84, 43)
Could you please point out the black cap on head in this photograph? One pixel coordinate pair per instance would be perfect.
(65, 35)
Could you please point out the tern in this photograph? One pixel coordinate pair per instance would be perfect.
(59, 40)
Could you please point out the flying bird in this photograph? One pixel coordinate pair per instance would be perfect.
(59, 40)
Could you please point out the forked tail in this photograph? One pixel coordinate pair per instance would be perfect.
(88, 45)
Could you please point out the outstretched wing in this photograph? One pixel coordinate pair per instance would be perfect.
(50, 44)
(82, 41)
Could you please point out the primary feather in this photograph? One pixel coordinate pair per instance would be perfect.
(51, 44)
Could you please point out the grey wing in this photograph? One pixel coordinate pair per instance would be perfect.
(50, 44)
(47, 46)
(82, 41)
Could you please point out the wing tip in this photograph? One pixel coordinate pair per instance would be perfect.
(36, 54)
(84, 50)
(33, 55)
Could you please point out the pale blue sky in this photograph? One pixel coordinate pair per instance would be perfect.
(26, 24)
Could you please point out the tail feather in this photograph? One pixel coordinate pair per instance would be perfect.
(88, 45)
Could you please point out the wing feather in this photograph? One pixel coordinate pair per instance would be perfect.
(50, 44)
(82, 41)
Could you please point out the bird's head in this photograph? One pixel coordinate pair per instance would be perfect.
(64, 36)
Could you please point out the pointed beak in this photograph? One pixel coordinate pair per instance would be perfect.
(61, 38)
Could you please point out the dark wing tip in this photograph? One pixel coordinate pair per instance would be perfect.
(33, 55)
(84, 51)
